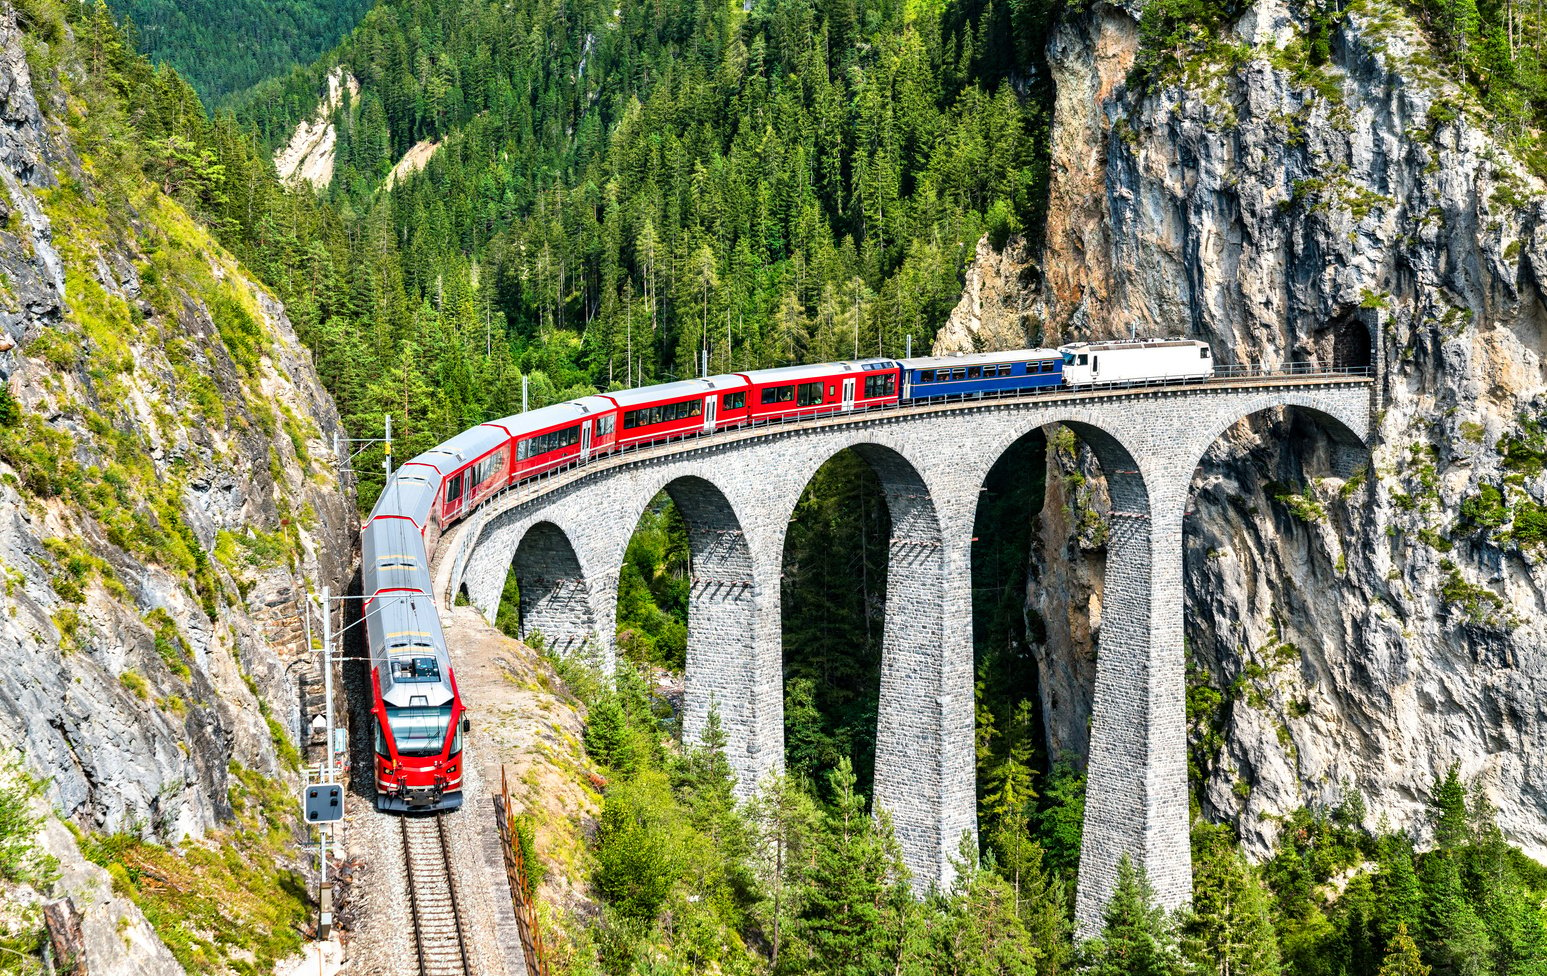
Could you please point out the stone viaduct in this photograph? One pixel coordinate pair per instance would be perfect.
(565, 538)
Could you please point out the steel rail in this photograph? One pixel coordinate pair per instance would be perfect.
(433, 958)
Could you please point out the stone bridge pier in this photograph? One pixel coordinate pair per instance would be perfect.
(737, 492)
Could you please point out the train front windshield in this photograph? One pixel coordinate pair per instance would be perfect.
(419, 732)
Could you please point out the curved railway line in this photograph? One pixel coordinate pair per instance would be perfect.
(440, 944)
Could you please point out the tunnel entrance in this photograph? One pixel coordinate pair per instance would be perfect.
(1351, 345)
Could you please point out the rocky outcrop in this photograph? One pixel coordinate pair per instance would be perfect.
(168, 491)
(1340, 213)
(308, 156)
(416, 159)
(996, 307)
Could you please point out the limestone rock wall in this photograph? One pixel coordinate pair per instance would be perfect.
(1355, 212)
(167, 480)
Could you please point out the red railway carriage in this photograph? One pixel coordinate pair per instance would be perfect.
(471, 466)
(821, 388)
(551, 437)
(670, 410)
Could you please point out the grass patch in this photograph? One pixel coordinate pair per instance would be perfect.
(225, 904)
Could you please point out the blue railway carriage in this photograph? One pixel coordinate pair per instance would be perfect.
(980, 373)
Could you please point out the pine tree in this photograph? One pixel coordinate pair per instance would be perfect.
(1402, 958)
(1230, 929)
(785, 821)
(848, 925)
(1139, 938)
(1448, 811)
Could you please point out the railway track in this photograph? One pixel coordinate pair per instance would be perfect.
(440, 945)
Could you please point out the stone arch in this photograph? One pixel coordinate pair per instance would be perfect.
(1129, 501)
(1136, 788)
(1340, 420)
(923, 772)
(555, 598)
(722, 625)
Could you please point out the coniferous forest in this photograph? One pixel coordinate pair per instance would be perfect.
(618, 190)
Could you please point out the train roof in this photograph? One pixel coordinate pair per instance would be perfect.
(1107, 345)
(410, 492)
(466, 447)
(408, 651)
(792, 373)
(961, 359)
(670, 391)
(392, 557)
(543, 417)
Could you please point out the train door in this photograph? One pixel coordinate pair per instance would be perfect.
(848, 394)
(711, 406)
(585, 440)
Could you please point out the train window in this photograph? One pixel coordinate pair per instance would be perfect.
(1081, 359)
(810, 394)
(416, 670)
(958, 374)
(832, 390)
(419, 731)
(882, 385)
(974, 372)
(1203, 353)
(778, 394)
(453, 490)
(926, 376)
(733, 401)
(552, 441)
(695, 408)
(604, 426)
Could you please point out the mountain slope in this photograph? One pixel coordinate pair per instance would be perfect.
(225, 46)
(1295, 185)
(166, 490)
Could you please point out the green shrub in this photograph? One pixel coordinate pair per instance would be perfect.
(137, 685)
(21, 860)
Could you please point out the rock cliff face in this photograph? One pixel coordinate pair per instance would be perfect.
(1365, 632)
(166, 483)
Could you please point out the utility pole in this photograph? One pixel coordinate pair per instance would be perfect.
(524, 383)
(327, 672)
(909, 354)
(386, 455)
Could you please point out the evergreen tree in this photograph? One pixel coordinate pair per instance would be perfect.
(1448, 811)
(1230, 929)
(1138, 937)
(856, 892)
(1402, 959)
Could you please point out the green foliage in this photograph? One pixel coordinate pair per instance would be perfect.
(1402, 958)
(834, 595)
(224, 46)
(1229, 931)
(1138, 938)
(21, 860)
(10, 413)
(653, 589)
(1478, 604)
(229, 903)
(856, 898)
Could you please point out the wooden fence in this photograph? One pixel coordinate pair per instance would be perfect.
(520, 892)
